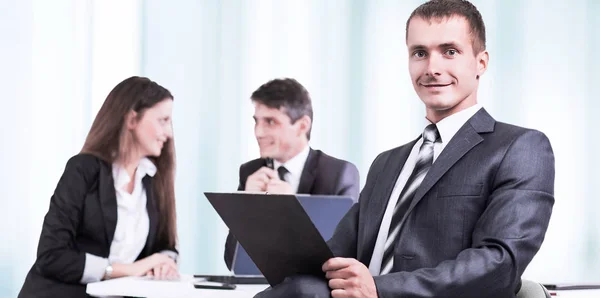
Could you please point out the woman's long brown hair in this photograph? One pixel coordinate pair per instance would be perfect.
(110, 141)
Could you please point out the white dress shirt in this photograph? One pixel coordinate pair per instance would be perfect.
(295, 166)
(447, 128)
(133, 223)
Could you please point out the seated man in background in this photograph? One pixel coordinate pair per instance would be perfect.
(283, 118)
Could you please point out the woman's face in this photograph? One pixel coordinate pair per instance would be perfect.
(154, 128)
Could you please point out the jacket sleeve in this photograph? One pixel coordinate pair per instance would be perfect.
(231, 242)
(58, 257)
(348, 183)
(344, 242)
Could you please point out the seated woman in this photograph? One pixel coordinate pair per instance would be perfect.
(113, 211)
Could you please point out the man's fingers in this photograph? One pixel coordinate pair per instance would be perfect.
(255, 185)
(275, 182)
(340, 293)
(344, 273)
(260, 177)
(338, 283)
(270, 173)
(259, 180)
(337, 264)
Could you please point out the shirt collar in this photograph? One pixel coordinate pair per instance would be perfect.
(450, 125)
(296, 164)
(121, 177)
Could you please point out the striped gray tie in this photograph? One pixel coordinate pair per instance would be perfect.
(424, 161)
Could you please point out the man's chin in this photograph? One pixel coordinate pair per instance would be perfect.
(265, 154)
(441, 108)
(439, 103)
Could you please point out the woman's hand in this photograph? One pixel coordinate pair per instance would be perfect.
(164, 271)
(161, 266)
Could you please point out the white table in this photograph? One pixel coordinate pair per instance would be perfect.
(576, 294)
(146, 287)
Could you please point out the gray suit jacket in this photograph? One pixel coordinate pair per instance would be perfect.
(322, 175)
(476, 221)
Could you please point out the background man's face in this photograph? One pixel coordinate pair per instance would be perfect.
(275, 134)
(442, 65)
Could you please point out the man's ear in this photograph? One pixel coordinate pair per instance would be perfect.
(483, 59)
(304, 124)
(131, 119)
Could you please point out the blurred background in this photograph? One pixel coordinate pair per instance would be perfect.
(59, 59)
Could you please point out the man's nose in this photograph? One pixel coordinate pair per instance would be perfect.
(433, 66)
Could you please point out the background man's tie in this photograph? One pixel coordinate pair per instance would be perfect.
(282, 171)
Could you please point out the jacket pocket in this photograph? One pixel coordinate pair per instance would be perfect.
(464, 190)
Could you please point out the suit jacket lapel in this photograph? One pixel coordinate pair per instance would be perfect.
(465, 139)
(382, 190)
(153, 216)
(108, 202)
(309, 173)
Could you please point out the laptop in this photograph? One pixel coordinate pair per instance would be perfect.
(282, 234)
(325, 211)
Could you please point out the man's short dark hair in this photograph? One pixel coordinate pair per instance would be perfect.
(440, 9)
(286, 93)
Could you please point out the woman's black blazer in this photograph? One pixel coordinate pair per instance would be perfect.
(81, 219)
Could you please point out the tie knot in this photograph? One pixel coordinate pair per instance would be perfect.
(431, 134)
(282, 171)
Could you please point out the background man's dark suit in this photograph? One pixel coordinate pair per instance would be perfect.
(82, 218)
(475, 223)
(322, 175)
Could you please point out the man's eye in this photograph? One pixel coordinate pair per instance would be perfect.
(419, 54)
(451, 52)
(271, 122)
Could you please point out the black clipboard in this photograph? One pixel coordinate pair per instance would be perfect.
(275, 231)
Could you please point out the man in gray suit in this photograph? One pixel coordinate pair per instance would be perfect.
(283, 122)
(461, 210)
